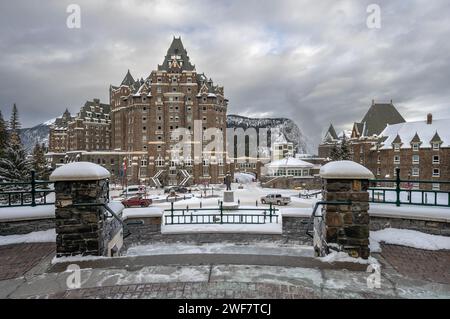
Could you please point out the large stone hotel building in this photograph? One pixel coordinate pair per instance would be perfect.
(138, 133)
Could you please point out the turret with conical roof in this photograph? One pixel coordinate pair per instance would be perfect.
(128, 79)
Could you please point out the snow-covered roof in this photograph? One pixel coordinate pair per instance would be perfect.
(79, 171)
(426, 132)
(289, 162)
(345, 170)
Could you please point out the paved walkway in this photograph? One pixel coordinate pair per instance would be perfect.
(406, 273)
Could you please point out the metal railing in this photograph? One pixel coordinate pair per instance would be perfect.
(32, 193)
(431, 197)
(183, 216)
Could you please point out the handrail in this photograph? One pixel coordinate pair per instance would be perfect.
(316, 205)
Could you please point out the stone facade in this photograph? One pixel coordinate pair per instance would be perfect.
(83, 230)
(344, 226)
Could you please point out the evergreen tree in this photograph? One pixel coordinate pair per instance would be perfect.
(345, 149)
(14, 165)
(341, 151)
(39, 162)
(14, 129)
(3, 135)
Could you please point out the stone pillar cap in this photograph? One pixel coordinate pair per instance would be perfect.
(345, 170)
(79, 171)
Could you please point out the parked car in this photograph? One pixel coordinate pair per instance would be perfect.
(134, 190)
(275, 199)
(176, 189)
(137, 201)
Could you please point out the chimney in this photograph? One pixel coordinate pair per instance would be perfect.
(429, 118)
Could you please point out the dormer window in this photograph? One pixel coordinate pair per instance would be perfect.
(436, 146)
(415, 146)
(397, 147)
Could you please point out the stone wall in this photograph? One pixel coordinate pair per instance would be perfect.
(21, 227)
(82, 230)
(432, 227)
(147, 230)
(347, 225)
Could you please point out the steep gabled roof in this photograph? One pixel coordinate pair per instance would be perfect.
(379, 116)
(176, 57)
(416, 139)
(436, 138)
(128, 79)
(332, 132)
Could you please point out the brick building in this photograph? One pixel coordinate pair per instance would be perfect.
(144, 130)
(58, 136)
(383, 141)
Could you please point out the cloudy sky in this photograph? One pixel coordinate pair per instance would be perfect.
(315, 62)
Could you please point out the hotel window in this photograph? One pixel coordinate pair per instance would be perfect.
(436, 186)
(159, 90)
(144, 162)
(397, 147)
(378, 159)
(415, 147)
(220, 170)
(159, 80)
(204, 108)
(188, 162)
(397, 159)
(415, 171)
(415, 159)
(436, 159)
(205, 170)
(189, 80)
(174, 89)
(436, 146)
(436, 172)
(159, 161)
(189, 90)
(378, 171)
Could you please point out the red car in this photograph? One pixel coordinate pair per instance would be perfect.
(137, 201)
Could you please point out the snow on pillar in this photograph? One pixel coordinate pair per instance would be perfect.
(82, 225)
(344, 226)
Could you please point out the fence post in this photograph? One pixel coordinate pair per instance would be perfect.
(171, 212)
(397, 186)
(270, 213)
(221, 212)
(33, 188)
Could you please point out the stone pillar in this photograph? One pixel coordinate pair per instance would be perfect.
(344, 226)
(82, 224)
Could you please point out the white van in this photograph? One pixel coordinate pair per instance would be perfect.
(134, 190)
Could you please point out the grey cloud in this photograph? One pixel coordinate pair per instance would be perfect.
(314, 62)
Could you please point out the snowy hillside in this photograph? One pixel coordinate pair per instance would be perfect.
(38, 133)
(287, 127)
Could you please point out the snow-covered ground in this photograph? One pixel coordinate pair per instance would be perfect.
(409, 238)
(47, 236)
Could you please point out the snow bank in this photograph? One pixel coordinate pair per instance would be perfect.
(273, 229)
(142, 212)
(345, 170)
(79, 171)
(410, 238)
(296, 212)
(244, 178)
(344, 257)
(47, 236)
(26, 213)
